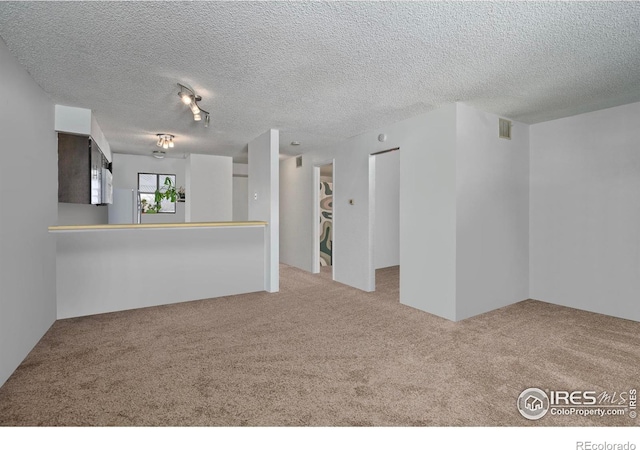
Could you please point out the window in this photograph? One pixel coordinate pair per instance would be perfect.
(148, 183)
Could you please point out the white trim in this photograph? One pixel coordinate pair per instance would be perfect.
(315, 253)
(372, 221)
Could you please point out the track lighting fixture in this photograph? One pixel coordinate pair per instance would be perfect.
(165, 141)
(190, 99)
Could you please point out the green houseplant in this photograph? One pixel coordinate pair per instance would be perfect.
(167, 191)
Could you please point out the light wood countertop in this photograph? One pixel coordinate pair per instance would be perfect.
(142, 226)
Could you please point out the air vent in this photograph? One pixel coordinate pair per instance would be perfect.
(504, 128)
(299, 161)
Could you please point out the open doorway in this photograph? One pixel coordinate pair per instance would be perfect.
(326, 216)
(324, 254)
(384, 215)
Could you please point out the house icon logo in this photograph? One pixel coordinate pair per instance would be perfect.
(533, 403)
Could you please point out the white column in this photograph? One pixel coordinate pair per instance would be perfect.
(264, 199)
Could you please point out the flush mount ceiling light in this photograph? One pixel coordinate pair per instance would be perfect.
(190, 99)
(165, 140)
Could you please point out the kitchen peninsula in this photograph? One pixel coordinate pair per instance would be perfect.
(106, 268)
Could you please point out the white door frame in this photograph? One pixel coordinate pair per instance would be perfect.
(316, 218)
(372, 223)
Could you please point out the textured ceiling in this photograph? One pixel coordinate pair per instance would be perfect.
(320, 71)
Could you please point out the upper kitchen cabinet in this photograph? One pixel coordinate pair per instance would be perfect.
(84, 171)
(84, 175)
(82, 122)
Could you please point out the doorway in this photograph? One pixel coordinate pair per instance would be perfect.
(384, 214)
(324, 219)
(326, 215)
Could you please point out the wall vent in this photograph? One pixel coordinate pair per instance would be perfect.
(504, 128)
(299, 161)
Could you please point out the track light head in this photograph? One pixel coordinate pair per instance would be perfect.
(189, 98)
(186, 98)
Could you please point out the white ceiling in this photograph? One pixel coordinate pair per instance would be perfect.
(320, 71)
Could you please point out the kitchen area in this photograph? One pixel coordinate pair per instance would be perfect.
(115, 252)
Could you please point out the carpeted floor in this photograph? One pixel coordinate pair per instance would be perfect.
(317, 353)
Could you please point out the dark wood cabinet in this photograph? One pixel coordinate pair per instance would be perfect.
(81, 167)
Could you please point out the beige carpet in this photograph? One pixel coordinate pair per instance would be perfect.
(317, 353)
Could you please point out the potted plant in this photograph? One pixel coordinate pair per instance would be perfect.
(168, 192)
(165, 192)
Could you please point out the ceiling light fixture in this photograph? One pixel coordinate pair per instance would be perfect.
(186, 98)
(189, 97)
(165, 141)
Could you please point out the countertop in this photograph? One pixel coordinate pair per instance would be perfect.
(143, 226)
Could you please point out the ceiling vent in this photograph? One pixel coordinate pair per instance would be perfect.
(504, 128)
(299, 161)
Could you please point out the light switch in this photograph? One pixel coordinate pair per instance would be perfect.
(255, 196)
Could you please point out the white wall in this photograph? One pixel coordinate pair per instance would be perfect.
(125, 176)
(209, 188)
(241, 169)
(386, 251)
(77, 214)
(264, 199)
(240, 192)
(585, 211)
(190, 264)
(297, 195)
(240, 198)
(29, 184)
(73, 120)
(492, 183)
(428, 212)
